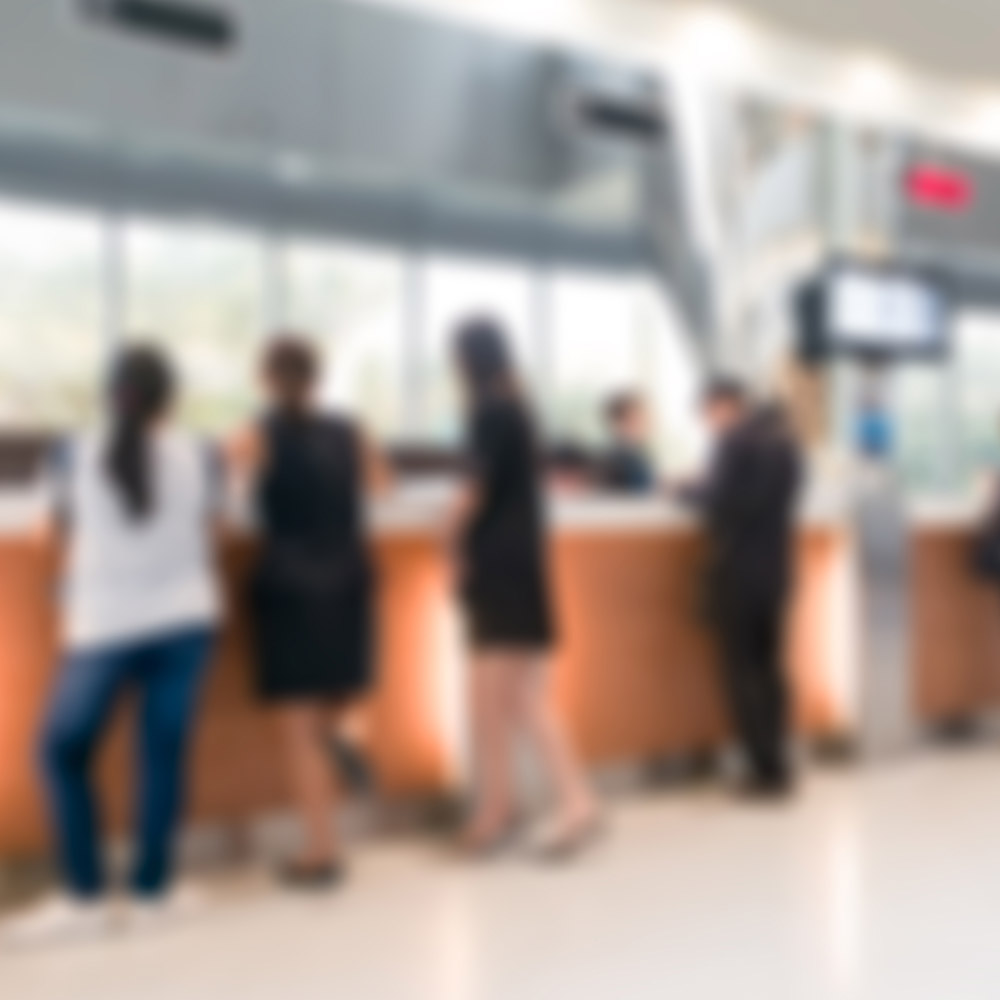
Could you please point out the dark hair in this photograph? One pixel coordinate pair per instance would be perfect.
(291, 367)
(621, 406)
(140, 390)
(725, 389)
(483, 358)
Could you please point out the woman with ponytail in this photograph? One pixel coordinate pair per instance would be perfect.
(135, 499)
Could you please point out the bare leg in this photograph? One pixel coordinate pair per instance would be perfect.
(350, 722)
(346, 738)
(312, 785)
(575, 806)
(491, 692)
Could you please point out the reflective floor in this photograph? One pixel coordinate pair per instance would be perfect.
(880, 884)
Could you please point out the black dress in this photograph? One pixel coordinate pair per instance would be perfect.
(312, 618)
(506, 588)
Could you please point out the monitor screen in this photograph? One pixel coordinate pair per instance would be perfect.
(876, 312)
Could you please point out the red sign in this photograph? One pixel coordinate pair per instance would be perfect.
(941, 188)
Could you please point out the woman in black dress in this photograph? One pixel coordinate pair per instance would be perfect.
(506, 592)
(312, 587)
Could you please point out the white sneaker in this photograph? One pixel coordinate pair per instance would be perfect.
(58, 919)
(179, 903)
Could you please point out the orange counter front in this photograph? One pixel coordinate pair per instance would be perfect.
(636, 675)
(956, 631)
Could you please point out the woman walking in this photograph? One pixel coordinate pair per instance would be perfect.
(500, 527)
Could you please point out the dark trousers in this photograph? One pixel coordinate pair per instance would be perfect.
(165, 674)
(751, 633)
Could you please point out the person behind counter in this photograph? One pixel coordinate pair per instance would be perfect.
(749, 502)
(312, 591)
(135, 499)
(626, 467)
(507, 596)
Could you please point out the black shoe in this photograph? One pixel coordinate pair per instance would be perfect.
(312, 878)
(352, 765)
(768, 788)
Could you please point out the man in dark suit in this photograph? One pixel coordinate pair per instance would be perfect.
(749, 504)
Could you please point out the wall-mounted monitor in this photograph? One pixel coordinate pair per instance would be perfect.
(874, 312)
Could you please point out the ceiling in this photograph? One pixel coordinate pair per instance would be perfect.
(954, 38)
(943, 41)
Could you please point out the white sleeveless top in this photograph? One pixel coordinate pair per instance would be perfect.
(130, 579)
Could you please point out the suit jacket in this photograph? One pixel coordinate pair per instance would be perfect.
(749, 503)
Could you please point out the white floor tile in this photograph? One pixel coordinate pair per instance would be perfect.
(878, 884)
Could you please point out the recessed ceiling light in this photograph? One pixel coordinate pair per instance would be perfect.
(713, 41)
(872, 83)
(984, 116)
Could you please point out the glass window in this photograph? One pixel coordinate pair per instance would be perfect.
(598, 349)
(672, 383)
(978, 378)
(613, 334)
(51, 342)
(949, 414)
(454, 290)
(923, 428)
(351, 300)
(198, 290)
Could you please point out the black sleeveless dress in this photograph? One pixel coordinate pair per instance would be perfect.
(506, 586)
(312, 589)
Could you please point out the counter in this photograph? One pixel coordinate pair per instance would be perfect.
(955, 649)
(635, 675)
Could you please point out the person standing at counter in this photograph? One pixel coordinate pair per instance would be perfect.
(499, 522)
(312, 592)
(627, 468)
(749, 504)
(135, 500)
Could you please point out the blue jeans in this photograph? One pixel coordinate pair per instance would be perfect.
(165, 673)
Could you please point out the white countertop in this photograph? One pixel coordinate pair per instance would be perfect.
(401, 513)
(945, 512)
(420, 507)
